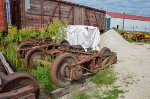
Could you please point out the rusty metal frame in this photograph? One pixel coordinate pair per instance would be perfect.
(54, 11)
(19, 93)
(87, 16)
(72, 7)
(96, 18)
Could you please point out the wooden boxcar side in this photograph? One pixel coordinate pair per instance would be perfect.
(38, 13)
(3, 20)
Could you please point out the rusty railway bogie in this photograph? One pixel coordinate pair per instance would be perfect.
(15, 85)
(39, 52)
(46, 44)
(64, 70)
(71, 63)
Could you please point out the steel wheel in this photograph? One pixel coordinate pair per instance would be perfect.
(113, 58)
(48, 41)
(32, 56)
(64, 42)
(63, 45)
(58, 72)
(19, 80)
(21, 53)
(105, 51)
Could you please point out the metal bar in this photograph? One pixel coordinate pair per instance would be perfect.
(17, 93)
(69, 13)
(87, 16)
(45, 15)
(88, 59)
(42, 13)
(55, 9)
(88, 70)
(123, 20)
(59, 10)
(6, 65)
(73, 14)
(92, 65)
(96, 19)
(24, 13)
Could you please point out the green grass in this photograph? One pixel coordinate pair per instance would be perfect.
(107, 94)
(1, 36)
(42, 73)
(104, 77)
(43, 76)
(8, 45)
(80, 95)
(114, 93)
(110, 93)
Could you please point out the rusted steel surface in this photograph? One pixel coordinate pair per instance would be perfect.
(71, 62)
(15, 85)
(37, 13)
(24, 47)
(70, 66)
(3, 20)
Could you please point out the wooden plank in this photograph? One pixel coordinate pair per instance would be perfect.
(63, 91)
(77, 14)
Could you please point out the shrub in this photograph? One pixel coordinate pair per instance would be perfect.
(56, 30)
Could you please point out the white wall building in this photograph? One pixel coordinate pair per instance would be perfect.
(127, 22)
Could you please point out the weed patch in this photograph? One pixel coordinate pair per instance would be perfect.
(9, 43)
(104, 77)
(80, 95)
(43, 76)
(112, 93)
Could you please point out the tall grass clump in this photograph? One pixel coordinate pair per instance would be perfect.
(111, 93)
(80, 95)
(42, 74)
(104, 77)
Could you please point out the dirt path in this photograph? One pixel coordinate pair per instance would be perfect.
(133, 63)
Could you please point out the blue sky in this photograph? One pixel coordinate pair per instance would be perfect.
(137, 7)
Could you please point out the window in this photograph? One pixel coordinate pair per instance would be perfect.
(27, 5)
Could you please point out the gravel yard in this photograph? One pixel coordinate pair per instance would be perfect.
(134, 61)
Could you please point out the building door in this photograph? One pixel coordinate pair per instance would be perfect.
(108, 22)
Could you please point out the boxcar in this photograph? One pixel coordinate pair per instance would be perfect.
(3, 18)
(37, 13)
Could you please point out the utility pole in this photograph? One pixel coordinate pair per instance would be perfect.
(123, 21)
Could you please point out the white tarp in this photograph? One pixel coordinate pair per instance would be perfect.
(87, 36)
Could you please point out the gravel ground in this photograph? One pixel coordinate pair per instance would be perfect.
(134, 61)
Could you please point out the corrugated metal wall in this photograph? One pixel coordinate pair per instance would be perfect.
(131, 25)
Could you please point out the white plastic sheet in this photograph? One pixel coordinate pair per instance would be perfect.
(87, 36)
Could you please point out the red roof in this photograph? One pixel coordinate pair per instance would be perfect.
(128, 16)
